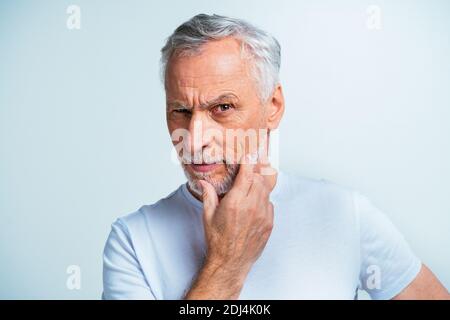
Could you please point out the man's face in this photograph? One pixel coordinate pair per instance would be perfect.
(213, 92)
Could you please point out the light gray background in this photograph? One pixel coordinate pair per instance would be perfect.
(83, 136)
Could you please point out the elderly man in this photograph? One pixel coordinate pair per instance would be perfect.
(237, 229)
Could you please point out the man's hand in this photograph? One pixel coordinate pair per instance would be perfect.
(236, 229)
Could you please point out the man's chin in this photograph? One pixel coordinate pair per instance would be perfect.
(194, 187)
(222, 182)
(218, 184)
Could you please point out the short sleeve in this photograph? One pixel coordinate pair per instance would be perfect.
(387, 263)
(122, 274)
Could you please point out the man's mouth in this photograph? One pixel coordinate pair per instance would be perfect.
(204, 167)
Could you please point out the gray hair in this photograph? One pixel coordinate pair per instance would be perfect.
(188, 38)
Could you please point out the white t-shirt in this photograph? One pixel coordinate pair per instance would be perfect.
(327, 242)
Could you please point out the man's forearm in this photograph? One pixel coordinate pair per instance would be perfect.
(217, 282)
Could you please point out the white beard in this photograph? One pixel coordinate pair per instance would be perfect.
(221, 186)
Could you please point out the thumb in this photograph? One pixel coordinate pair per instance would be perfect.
(210, 199)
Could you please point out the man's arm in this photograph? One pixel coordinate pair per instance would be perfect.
(424, 287)
(215, 282)
(236, 231)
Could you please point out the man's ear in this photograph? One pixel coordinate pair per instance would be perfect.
(275, 108)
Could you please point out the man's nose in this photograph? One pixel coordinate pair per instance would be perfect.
(198, 125)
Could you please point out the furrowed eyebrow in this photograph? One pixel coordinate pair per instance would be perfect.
(224, 97)
(221, 98)
(176, 105)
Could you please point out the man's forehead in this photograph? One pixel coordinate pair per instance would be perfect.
(209, 80)
(217, 61)
(206, 86)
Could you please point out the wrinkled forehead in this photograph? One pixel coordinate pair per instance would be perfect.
(218, 63)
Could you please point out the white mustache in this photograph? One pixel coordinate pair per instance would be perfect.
(200, 159)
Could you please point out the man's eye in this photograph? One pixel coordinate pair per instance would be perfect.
(222, 108)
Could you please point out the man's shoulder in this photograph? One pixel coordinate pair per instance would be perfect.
(295, 185)
(148, 211)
